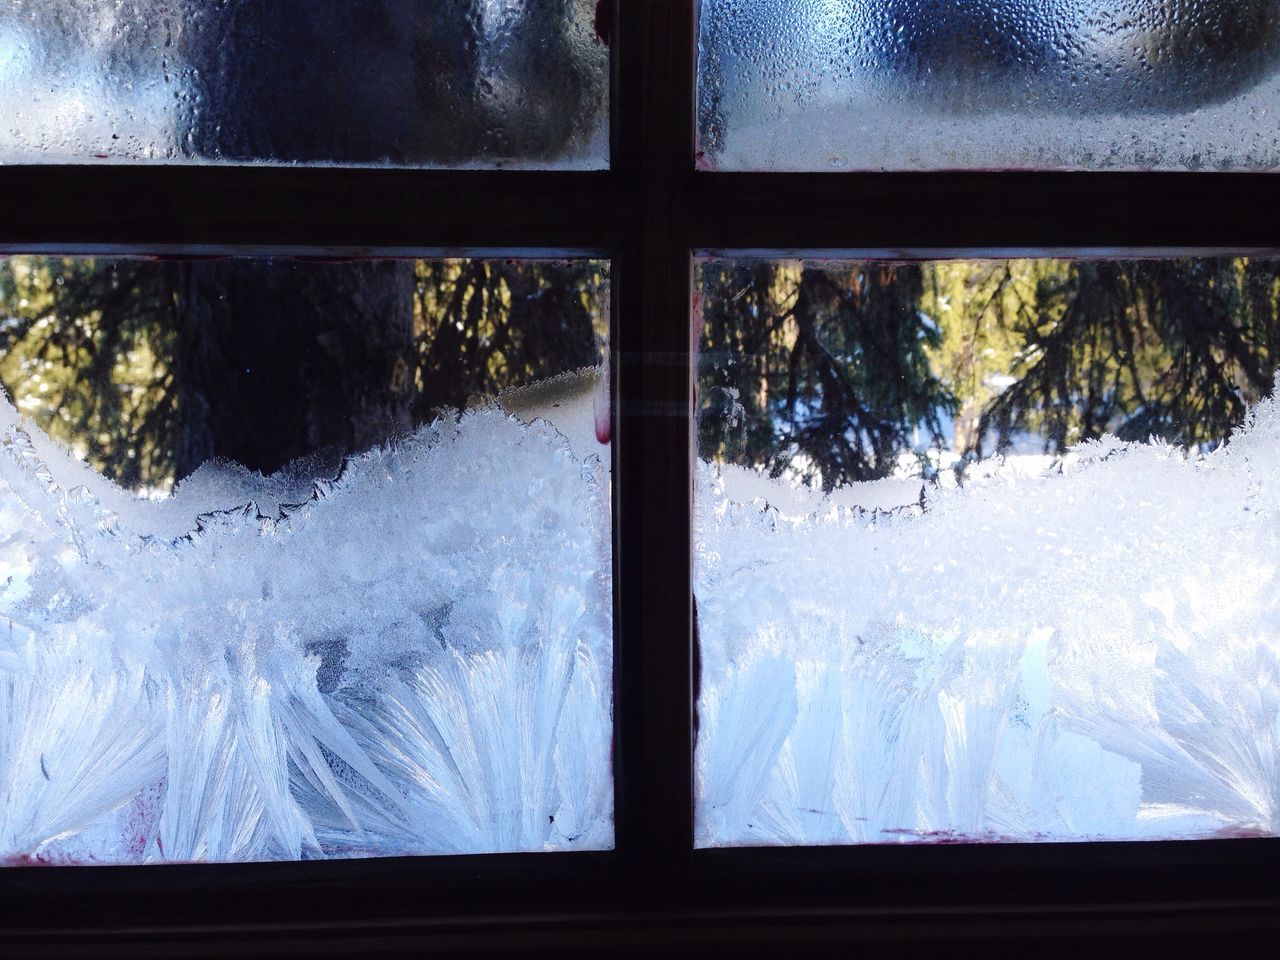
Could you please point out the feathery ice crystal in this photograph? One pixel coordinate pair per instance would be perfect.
(412, 657)
(1086, 652)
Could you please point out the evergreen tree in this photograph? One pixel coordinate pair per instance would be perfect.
(818, 369)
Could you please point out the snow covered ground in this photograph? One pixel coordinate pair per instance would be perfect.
(1086, 652)
(413, 656)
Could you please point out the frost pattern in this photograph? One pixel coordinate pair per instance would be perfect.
(1085, 652)
(412, 657)
(988, 84)
(406, 83)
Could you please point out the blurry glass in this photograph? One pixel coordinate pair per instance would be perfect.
(483, 83)
(985, 550)
(303, 559)
(988, 84)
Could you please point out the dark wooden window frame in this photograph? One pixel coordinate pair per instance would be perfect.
(650, 214)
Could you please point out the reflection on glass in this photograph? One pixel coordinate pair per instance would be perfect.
(432, 83)
(303, 559)
(985, 550)
(988, 84)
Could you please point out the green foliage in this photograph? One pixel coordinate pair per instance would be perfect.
(828, 372)
(979, 306)
(87, 346)
(821, 370)
(84, 351)
(1174, 349)
(844, 372)
(485, 325)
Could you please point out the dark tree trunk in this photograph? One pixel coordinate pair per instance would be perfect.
(277, 359)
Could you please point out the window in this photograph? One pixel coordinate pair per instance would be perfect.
(435, 85)
(976, 550)
(649, 215)
(1067, 85)
(299, 624)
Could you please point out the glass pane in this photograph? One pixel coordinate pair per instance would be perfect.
(303, 559)
(989, 84)
(986, 550)
(420, 83)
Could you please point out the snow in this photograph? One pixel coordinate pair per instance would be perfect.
(1085, 652)
(411, 655)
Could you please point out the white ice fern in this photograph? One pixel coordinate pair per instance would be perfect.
(413, 657)
(1091, 652)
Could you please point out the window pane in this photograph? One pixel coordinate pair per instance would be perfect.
(303, 559)
(986, 550)
(420, 83)
(989, 84)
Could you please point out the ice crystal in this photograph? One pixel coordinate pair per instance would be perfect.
(412, 656)
(1085, 652)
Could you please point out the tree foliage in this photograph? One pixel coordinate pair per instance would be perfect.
(119, 358)
(485, 325)
(846, 372)
(85, 350)
(1174, 349)
(821, 369)
(830, 372)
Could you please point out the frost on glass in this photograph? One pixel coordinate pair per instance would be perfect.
(387, 648)
(436, 83)
(988, 84)
(986, 551)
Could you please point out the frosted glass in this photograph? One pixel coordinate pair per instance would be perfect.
(434, 83)
(989, 84)
(985, 551)
(372, 616)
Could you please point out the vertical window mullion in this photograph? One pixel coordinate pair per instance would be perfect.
(654, 454)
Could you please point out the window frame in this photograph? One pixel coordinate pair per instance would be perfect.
(650, 214)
